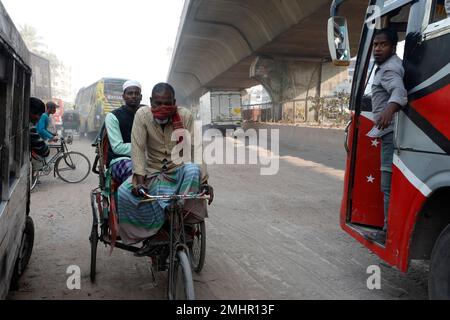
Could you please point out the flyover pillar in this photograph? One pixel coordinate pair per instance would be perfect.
(271, 74)
(291, 80)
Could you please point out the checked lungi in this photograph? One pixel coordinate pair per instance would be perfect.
(122, 170)
(136, 225)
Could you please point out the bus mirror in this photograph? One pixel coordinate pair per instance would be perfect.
(338, 41)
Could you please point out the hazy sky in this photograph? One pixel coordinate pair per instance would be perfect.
(105, 38)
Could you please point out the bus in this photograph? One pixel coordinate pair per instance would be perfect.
(418, 215)
(96, 101)
(16, 227)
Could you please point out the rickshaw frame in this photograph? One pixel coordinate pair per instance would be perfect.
(176, 255)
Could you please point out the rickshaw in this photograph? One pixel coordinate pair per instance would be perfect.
(70, 122)
(183, 252)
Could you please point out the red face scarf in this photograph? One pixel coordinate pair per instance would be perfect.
(166, 112)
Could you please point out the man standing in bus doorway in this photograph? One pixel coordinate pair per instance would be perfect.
(119, 124)
(389, 96)
(44, 123)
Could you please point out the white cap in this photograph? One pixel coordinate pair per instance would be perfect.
(131, 83)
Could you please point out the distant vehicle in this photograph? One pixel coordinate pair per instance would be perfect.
(221, 110)
(71, 122)
(40, 78)
(96, 101)
(16, 227)
(57, 118)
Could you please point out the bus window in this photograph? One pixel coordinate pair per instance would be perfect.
(440, 10)
(113, 90)
(3, 88)
(26, 119)
(16, 129)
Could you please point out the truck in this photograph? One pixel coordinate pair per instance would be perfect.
(418, 226)
(221, 110)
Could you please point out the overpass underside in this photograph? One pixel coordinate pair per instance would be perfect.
(236, 44)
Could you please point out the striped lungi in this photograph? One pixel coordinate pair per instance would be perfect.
(138, 224)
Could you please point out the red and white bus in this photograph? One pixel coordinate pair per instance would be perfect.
(419, 212)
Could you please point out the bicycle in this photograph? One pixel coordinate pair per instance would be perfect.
(69, 166)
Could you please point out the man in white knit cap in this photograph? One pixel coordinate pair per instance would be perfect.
(119, 124)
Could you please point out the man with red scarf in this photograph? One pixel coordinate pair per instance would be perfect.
(157, 169)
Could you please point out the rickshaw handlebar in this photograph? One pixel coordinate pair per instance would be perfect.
(150, 198)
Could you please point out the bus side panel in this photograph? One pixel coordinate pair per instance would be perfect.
(402, 218)
(435, 109)
(12, 224)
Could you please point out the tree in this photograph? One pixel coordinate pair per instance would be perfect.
(36, 45)
(318, 105)
(31, 38)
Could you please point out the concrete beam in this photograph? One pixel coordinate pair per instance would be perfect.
(219, 39)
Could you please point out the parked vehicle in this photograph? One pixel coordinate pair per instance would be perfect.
(71, 123)
(16, 226)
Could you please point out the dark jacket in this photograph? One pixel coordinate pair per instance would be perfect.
(126, 119)
(37, 145)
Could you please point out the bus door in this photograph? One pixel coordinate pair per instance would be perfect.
(364, 196)
(363, 203)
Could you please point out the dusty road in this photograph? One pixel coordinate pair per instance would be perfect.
(273, 237)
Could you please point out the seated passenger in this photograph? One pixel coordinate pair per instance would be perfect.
(118, 126)
(156, 171)
(38, 146)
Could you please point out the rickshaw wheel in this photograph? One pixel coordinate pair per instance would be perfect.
(197, 250)
(94, 243)
(181, 284)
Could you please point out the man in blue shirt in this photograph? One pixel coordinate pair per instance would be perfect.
(44, 122)
(119, 124)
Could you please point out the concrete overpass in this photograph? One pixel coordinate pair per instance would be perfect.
(236, 44)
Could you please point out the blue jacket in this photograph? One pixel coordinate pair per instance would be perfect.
(42, 127)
